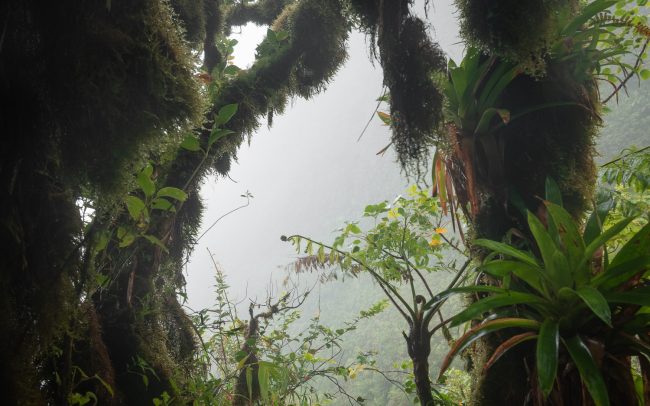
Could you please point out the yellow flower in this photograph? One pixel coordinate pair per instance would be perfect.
(440, 230)
(435, 241)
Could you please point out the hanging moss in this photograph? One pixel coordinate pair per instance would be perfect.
(415, 102)
(409, 60)
(192, 14)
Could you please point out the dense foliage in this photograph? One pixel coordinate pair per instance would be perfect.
(116, 112)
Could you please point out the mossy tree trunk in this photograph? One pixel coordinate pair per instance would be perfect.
(554, 142)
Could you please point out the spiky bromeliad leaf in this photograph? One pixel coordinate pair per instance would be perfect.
(506, 249)
(507, 345)
(569, 234)
(532, 275)
(555, 263)
(547, 354)
(596, 302)
(588, 369)
(602, 239)
(497, 301)
(482, 330)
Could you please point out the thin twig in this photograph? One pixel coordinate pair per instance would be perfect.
(624, 156)
(629, 76)
(248, 202)
(373, 114)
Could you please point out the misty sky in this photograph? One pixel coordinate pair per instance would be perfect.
(307, 173)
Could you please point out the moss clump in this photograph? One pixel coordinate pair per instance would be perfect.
(519, 31)
(262, 12)
(119, 81)
(192, 15)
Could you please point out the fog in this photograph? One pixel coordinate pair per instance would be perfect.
(308, 173)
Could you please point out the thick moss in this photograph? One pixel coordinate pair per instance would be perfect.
(261, 12)
(518, 30)
(119, 81)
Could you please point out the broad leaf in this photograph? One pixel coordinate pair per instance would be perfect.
(547, 355)
(550, 252)
(191, 143)
(155, 241)
(638, 296)
(145, 182)
(569, 234)
(160, 203)
(506, 249)
(509, 298)
(596, 302)
(620, 273)
(465, 289)
(588, 369)
(217, 134)
(532, 275)
(225, 114)
(135, 206)
(174, 193)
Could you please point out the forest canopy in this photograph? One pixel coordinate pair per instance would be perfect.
(116, 112)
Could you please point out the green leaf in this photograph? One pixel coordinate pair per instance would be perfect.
(217, 134)
(569, 234)
(225, 114)
(588, 12)
(554, 260)
(588, 369)
(602, 239)
(145, 182)
(481, 330)
(191, 143)
(135, 206)
(636, 247)
(553, 193)
(126, 237)
(146, 185)
(486, 119)
(509, 298)
(638, 296)
(281, 35)
(615, 275)
(174, 193)
(155, 241)
(163, 204)
(645, 74)
(249, 381)
(594, 225)
(231, 70)
(506, 249)
(263, 379)
(547, 355)
(103, 238)
(532, 275)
